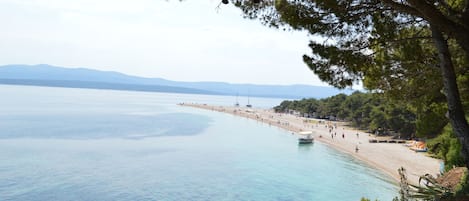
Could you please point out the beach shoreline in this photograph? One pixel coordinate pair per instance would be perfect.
(386, 157)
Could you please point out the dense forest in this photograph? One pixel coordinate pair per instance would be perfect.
(366, 111)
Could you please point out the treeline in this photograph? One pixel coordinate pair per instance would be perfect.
(368, 111)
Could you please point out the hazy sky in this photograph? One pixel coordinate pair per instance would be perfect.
(189, 41)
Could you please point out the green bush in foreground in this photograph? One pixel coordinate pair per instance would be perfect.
(463, 188)
(447, 147)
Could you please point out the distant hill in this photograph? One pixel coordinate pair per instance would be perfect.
(46, 75)
(105, 85)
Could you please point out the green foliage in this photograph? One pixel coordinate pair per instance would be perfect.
(364, 110)
(400, 119)
(453, 157)
(378, 118)
(366, 199)
(431, 119)
(463, 187)
(463, 82)
(447, 147)
(380, 43)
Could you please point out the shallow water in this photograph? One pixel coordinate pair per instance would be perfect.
(81, 144)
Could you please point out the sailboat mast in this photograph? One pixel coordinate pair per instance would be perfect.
(237, 103)
(249, 104)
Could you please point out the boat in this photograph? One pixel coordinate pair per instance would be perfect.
(425, 149)
(306, 137)
(248, 105)
(419, 147)
(237, 103)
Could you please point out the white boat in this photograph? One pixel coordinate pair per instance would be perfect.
(306, 137)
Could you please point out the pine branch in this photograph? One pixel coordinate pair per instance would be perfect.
(401, 7)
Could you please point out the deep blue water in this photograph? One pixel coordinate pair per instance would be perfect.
(82, 144)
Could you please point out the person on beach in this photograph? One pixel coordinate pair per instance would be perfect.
(358, 135)
(343, 136)
(356, 148)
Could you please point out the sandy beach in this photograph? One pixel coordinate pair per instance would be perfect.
(387, 157)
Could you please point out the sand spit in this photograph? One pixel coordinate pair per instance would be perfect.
(387, 157)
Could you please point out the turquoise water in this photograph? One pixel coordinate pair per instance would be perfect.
(81, 144)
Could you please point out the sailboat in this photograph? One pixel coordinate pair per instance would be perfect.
(248, 105)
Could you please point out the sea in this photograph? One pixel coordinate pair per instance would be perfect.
(98, 145)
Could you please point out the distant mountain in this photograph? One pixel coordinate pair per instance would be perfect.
(46, 75)
(105, 85)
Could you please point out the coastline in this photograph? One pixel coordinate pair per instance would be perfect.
(386, 157)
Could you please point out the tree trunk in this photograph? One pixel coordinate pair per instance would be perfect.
(455, 109)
